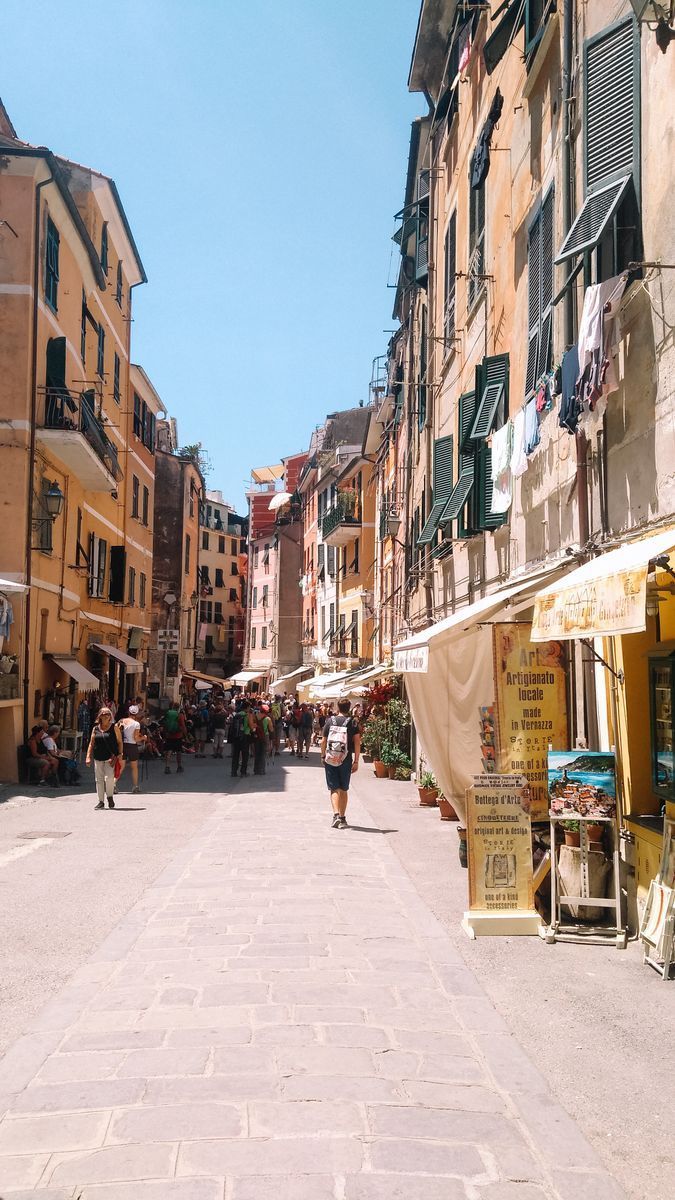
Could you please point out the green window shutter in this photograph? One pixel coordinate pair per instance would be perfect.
(461, 503)
(449, 308)
(442, 489)
(422, 243)
(540, 295)
(493, 403)
(546, 316)
(533, 304)
(611, 105)
(486, 519)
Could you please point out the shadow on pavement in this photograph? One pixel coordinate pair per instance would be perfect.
(369, 829)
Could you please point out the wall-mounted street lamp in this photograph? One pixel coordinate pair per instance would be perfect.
(658, 15)
(52, 502)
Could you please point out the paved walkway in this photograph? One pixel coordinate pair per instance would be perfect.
(281, 1017)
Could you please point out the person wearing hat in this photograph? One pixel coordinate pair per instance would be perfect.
(132, 740)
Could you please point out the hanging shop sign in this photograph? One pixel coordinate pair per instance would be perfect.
(415, 660)
(609, 604)
(499, 844)
(531, 710)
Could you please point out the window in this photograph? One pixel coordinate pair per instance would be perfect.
(191, 502)
(466, 462)
(118, 284)
(148, 424)
(341, 632)
(480, 413)
(132, 585)
(146, 506)
(52, 265)
(233, 593)
(422, 238)
(253, 632)
(208, 644)
(234, 546)
(331, 562)
(234, 569)
(116, 378)
(476, 270)
(263, 637)
(323, 622)
(204, 576)
(354, 566)
(442, 489)
(205, 540)
(206, 612)
(104, 248)
(135, 486)
(354, 629)
(187, 553)
(219, 577)
(540, 294)
(142, 586)
(230, 624)
(221, 545)
(83, 329)
(98, 554)
(242, 546)
(254, 601)
(218, 612)
(422, 372)
(609, 220)
(230, 647)
(80, 552)
(256, 555)
(100, 352)
(265, 596)
(138, 420)
(450, 284)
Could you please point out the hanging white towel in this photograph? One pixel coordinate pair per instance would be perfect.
(502, 483)
(519, 463)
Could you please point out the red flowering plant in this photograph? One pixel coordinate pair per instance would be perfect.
(379, 693)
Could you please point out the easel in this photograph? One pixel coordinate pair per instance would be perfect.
(557, 930)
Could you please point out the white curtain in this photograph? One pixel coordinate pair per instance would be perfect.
(446, 705)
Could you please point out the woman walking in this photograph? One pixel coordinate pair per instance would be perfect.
(132, 741)
(105, 746)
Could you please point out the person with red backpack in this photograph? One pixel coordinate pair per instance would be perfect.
(340, 751)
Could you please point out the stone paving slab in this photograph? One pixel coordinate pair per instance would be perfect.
(281, 1017)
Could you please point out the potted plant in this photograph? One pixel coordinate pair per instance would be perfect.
(404, 771)
(348, 498)
(594, 831)
(372, 738)
(446, 810)
(390, 754)
(571, 832)
(463, 851)
(428, 789)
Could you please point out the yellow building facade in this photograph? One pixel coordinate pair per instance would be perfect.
(73, 425)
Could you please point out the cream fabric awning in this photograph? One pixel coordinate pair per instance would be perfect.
(357, 683)
(87, 682)
(201, 677)
(291, 675)
(327, 686)
(133, 665)
(11, 585)
(605, 596)
(246, 677)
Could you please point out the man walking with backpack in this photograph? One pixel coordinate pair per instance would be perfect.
(175, 730)
(340, 750)
(241, 729)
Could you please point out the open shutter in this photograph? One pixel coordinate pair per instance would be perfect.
(492, 396)
(92, 587)
(102, 561)
(449, 314)
(546, 317)
(466, 463)
(486, 518)
(442, 488)
(611, 114)
(118, 560)
(533, 304)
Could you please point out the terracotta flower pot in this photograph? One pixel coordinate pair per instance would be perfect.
(572, 837)
(594, 832)
(381, 772)
(463, 852)
(428, 797)
(446, 810)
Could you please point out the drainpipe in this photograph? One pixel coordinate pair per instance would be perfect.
(31, 454)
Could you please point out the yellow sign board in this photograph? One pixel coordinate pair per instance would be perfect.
(499, 844)
(609, 604)
(531, 692)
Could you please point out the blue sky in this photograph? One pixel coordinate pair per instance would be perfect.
(260, 151)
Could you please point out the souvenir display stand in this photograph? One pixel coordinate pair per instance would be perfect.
(657, 928)
(562, 925)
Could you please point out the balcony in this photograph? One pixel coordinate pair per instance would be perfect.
(341, 524)
(67, 426)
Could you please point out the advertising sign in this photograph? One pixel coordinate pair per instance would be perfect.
(610, 604)
(531, 708)
(499, 844)
(413, 661)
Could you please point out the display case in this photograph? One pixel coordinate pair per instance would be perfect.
(661, 704)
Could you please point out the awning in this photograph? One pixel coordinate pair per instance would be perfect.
(208, 680)
(412, 656)
(328, 686)
(133, 665)
(10, 585)
(357, 683)
(245, 677)
(291, 675)
(87, 682)
(606, 596)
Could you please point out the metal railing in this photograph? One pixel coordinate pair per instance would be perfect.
(75, 413)
(341, 513)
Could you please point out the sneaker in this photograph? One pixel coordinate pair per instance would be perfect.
(135, 791)
(335, 824)
(111, 802)
(99, 805)
(343, 823)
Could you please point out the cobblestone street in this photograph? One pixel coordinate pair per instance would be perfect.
(281, 1015)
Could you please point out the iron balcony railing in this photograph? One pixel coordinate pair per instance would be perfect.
(342, 513)
(75, 413)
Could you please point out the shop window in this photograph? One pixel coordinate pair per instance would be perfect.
(608, 223)
(135, 490)
(52, 265)
(540, 294)
(450, 284)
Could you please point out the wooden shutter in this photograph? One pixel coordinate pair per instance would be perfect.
(540, 295)
(492, 384)
(449, 313)
(611, 105)
(547, 231)
(533, 304)
(93, 565)
(442, 489)
(102, 560)
(467, 461)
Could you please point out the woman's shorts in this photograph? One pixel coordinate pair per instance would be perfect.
(339, 778)
(131, 751)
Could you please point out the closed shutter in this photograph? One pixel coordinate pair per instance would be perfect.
(117, 573)
(102, 562)
(610, 109)
(422, 243)
(92, 582)
(486, 518)
(449, 316)
(540, 295)
(533, 304)
(547, 227)
(442, 488)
